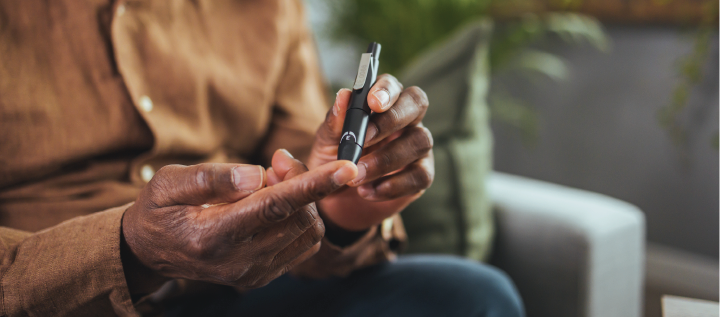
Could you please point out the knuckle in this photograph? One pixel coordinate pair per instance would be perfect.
(201, 176)
(382, 160)
(304, 220)
(318, 231)
(163, 177)
(422, 140)
(430, 137)
(419, 96)
(265, 251)
(157, 192)
(198, 248)
(166, 170)
(392, 118)
(287, 268)
(230, 276)
(424, 178)
(311, 191)
(311, 237)
(386, 191)
(275, 208)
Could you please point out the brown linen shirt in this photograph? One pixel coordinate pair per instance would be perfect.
(95, 96)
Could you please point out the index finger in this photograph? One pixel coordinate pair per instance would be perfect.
(384, 93)
(206, 183)
(276, 203)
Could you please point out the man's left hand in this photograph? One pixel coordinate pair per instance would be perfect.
(397, 164)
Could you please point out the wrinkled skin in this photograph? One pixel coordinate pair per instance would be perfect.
(397, 164)
(203, 223)
(246, 238)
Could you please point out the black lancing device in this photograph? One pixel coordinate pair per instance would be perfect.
(358, 111)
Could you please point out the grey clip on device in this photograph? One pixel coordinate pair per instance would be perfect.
(358, 111)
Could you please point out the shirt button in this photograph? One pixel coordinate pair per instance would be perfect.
(146, 103)
(147, 173)
(120, 10)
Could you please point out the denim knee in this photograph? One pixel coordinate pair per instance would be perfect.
(469, 287)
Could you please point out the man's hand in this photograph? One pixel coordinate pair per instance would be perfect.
(397, 164)
(216, 222)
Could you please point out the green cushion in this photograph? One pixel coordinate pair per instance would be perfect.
(454, 216)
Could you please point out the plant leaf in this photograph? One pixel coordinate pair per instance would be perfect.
(578, 28)
(542, 62)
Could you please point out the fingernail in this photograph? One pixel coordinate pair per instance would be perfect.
(287, 153)
(371, 133)
(383, 98)
(334, 109)
(345, 174)
(362, 173)
(248, 177)
(366, 191)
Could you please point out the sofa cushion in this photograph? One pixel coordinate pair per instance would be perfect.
(454, 216)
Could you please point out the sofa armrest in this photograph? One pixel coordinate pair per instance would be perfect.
(570, 252)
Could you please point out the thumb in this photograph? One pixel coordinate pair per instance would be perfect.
(330, 131)
(208, 183)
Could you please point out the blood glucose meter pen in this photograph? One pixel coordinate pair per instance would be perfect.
(358, 111)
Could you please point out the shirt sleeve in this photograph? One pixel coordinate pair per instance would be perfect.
(301, 102)
(72, 269)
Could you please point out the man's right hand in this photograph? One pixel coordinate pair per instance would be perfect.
(208, 222)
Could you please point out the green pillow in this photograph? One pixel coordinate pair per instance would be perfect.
(454, 216)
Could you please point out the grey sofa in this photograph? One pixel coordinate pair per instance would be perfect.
(570, 252)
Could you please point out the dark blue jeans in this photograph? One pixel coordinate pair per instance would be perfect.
(411, 286)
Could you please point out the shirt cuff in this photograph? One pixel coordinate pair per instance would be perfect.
(380, 243)
(69, 268)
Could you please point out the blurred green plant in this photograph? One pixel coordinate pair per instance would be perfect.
(690, 70)
(407, 27)
(513, 49)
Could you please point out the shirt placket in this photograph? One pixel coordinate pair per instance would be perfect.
(144, 167)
